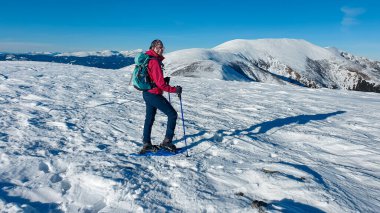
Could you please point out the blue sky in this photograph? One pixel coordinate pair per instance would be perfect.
(57, 25)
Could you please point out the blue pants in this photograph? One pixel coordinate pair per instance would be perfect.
(154, 102)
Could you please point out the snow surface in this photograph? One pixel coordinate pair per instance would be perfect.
(68, 134)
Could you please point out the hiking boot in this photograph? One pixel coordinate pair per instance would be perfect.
(148, 147)
(168, 145)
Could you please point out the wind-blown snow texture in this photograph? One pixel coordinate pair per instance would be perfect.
(67, 134)
(279, 61)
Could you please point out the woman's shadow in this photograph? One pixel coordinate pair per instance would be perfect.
(263, 127)
(299, 119)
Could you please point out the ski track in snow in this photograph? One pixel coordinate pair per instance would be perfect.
(67, 134)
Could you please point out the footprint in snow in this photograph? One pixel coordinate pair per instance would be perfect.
(4, 137)
(65, 186)
(55, 178)
(102, 146)
(43, 167)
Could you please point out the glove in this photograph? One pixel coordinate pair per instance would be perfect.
(178, 90)
(167, 80)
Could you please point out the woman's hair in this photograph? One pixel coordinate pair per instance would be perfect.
(155, 43)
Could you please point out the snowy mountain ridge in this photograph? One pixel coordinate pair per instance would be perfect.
(103, 53)
(280, 61)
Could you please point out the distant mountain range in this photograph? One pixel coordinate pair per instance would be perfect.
(278, 61)
(103, 59)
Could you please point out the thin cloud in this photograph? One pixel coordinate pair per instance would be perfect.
(350, 15)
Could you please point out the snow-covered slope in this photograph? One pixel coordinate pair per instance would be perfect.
(280, 61)
(68, 134)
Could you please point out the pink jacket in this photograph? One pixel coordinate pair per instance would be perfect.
(157, 76)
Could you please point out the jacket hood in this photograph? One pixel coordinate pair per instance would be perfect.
(154, 54)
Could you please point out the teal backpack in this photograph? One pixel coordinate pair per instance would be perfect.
(140, 76)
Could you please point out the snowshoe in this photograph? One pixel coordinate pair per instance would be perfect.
(168, 145)
(149, 148)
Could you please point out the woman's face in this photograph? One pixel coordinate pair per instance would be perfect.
(159, 49)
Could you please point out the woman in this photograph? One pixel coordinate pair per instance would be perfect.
(155, 100)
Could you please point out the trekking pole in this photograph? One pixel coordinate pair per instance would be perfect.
(183, 124)
(175, 135)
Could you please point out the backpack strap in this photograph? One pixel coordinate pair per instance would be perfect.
(153, 84)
